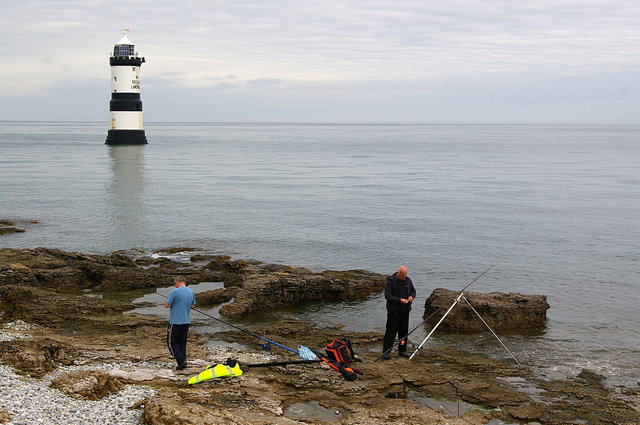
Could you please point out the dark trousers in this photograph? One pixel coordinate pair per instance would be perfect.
(177, 342)
(397, 324)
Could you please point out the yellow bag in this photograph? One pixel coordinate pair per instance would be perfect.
(216, 371)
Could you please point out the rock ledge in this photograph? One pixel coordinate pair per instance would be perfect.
(501, 311)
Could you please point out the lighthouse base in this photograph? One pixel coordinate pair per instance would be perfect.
(126, 137)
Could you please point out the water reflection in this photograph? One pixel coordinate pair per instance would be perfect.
(128, 212)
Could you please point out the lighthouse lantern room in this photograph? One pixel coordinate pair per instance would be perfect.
(125, 106)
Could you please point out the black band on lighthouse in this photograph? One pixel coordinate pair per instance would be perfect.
(125, 105)
(125, 96)
(126, 137)
(125, 61)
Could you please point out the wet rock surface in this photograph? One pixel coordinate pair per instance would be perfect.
(98, 348)
(501, 311)
(214, 297)
(253, 284)
(36, 357)
(87, 385)
(265, 287)
(5, 230)
(10, 226)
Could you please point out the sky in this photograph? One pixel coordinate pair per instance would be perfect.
(373, 61)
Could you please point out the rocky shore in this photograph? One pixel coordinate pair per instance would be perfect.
(69, 356)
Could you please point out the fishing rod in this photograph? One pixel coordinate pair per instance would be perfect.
(281, 363)
(435, 312)
(240, 329)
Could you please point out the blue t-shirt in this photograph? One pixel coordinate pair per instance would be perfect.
(181, 299)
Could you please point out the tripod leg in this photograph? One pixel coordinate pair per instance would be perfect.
(489, 327)
(436, 326)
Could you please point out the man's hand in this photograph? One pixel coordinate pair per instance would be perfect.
(404, 300)
(410, 299)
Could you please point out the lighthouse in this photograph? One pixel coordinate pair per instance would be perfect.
(125, 106)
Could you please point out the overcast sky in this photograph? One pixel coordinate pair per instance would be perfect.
(364, 61)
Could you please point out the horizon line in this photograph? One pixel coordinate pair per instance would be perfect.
(335, 123)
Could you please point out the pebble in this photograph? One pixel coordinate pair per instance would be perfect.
(32, 401)
(20, 325)
(10, 336)
(17, 325)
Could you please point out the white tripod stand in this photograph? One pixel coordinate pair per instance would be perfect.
(458, 298)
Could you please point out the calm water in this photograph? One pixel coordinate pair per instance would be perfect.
(557, 205)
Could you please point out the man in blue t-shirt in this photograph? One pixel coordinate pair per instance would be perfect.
(180, 302)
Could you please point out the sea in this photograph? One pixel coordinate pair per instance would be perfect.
(553, 208)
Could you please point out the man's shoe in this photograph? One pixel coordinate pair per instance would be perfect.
(181, 366)
(386, 356)
(404, 354)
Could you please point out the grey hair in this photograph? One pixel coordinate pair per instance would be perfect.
(179, 279)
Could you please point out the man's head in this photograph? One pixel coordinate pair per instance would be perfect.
(179, 281)
(401, 273)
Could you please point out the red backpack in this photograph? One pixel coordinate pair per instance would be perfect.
(340, 351)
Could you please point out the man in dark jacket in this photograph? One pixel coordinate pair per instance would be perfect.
(399, 293)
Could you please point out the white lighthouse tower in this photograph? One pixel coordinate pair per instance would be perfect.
(125, 106)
